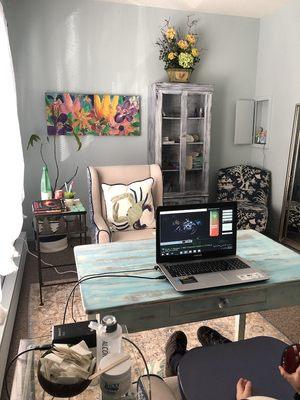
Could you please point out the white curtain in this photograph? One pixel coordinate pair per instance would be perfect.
(11, 161)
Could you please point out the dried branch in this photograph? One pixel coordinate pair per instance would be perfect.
(70, 180)
(42, 155)
(56, 163)
(191, 22)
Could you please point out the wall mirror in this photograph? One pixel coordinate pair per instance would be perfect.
(289, 230)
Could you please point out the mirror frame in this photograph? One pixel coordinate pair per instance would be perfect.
(289, 182)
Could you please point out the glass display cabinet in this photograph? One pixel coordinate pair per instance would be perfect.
(179, 139)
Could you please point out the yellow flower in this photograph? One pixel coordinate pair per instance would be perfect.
(170, 33)
(106, 107)
(195, 52)
(171, 56)
(191, 38)
(183, 44)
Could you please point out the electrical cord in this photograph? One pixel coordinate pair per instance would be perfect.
(107, 275)
(42, 347)
(144, 360)
(45, 262)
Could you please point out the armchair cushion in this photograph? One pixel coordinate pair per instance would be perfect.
(129, 207)
(244, 183)
(252, 216)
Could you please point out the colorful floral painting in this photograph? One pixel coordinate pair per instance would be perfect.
(92, 114)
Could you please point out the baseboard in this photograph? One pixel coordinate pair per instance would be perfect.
(10, 297)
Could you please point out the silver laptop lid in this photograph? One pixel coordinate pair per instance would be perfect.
(200, 231)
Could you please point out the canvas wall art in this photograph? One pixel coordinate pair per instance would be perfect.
(92, 114)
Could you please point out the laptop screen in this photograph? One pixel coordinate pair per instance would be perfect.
(197, 231)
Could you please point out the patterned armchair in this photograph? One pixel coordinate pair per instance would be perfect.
(250, 187)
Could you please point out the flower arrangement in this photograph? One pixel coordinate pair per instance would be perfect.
(177, 50)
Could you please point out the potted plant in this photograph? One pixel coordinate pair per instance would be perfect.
(178, 51)
(69, 198)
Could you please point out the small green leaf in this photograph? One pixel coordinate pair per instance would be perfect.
(50, 119)
(135, 124)
(49, 100)
(33, 139)
(106, 129)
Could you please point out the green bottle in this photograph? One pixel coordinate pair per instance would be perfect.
(46, 191)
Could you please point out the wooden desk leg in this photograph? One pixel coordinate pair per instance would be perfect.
(240, 325)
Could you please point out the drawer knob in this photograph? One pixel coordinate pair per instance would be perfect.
(223, 302)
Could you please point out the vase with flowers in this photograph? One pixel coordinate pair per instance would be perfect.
(179, 51)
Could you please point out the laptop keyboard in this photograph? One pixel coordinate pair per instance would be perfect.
(205, 267)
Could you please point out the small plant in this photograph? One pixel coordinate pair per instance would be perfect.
(178, 50)
(36, 139)
(69, 195)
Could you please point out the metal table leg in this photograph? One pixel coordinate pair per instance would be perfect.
(39, 260)
(84, 227)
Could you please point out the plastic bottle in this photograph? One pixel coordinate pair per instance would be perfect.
(46, 191)
(109, 336)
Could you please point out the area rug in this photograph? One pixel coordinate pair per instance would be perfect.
(287, 320)
(151, 342)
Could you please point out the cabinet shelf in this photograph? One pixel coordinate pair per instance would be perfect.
(170, 170)
(170, 117)
(178, 118)
(176, 144)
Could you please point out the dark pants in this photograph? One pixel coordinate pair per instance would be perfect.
(175, 360)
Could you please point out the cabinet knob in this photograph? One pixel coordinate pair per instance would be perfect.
(223, 302)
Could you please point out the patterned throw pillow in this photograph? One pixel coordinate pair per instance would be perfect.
(129, 207)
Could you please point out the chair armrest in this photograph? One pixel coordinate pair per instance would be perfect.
(100, 229)
(103, 233)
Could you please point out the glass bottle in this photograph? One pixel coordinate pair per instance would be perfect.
(46, 191)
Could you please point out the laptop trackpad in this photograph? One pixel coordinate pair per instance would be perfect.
(188, 279)
(204, 279)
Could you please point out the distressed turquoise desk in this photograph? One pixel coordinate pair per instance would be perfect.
(147, 304)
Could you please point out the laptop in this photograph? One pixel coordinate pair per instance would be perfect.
(196, 247)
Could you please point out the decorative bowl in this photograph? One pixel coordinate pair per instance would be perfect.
(59, 389)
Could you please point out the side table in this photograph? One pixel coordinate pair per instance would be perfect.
(69, 222)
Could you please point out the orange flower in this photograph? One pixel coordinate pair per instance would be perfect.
(82, 120)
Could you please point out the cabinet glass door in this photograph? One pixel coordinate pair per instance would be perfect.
(170, 142)
(194, 139)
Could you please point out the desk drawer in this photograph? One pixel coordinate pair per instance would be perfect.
(214, 303)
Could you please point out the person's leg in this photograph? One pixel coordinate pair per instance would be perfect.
(175, 350)
(209, 337)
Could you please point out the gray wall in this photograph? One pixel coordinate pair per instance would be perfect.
(278, 77)
(91, 46)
